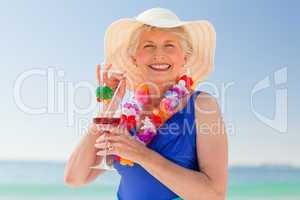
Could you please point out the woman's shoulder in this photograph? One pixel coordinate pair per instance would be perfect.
(206, 103)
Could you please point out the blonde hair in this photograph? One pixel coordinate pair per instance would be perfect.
(184, 39)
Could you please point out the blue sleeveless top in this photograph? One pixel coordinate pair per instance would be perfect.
(176, 141)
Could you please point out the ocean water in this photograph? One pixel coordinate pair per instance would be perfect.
(34, 180)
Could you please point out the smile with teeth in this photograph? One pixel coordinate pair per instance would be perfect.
(160, 67)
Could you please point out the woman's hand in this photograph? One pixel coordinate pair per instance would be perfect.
(117, 82)
(123, 145)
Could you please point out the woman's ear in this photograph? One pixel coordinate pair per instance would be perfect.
(133, 59)
(185, 59)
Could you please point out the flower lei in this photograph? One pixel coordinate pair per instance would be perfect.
(131, 110)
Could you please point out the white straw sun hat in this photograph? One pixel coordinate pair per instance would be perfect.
(201, 32)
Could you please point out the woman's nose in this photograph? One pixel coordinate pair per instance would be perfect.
(159, 54)
(159, 57)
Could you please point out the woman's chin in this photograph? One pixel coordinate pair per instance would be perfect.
(160, 80)
(159, 77)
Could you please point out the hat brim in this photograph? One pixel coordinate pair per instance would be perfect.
(198, 66)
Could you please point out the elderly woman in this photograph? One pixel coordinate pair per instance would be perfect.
(186, 156)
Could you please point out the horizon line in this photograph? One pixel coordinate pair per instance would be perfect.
(236, 164)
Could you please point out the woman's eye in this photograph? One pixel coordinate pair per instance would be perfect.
(169, 45)
(148, 45)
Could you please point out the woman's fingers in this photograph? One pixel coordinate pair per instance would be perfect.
(115, 135)
(117, 76)
(117, 147)
(105, 76)
(117, 98)
(101, 138)
(107, 67)
(101, 145)
(104, 133)
(114, 80)
(98, 74)
(110, 76)
(105, 150)
(119, 131)
(92, 129)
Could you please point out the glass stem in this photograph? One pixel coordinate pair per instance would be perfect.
(105, 151)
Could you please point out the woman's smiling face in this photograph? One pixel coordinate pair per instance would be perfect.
(159, 56)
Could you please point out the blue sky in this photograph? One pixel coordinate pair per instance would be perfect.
(254, 40)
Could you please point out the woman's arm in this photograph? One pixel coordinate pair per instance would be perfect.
(77, 169)
(211, 181)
